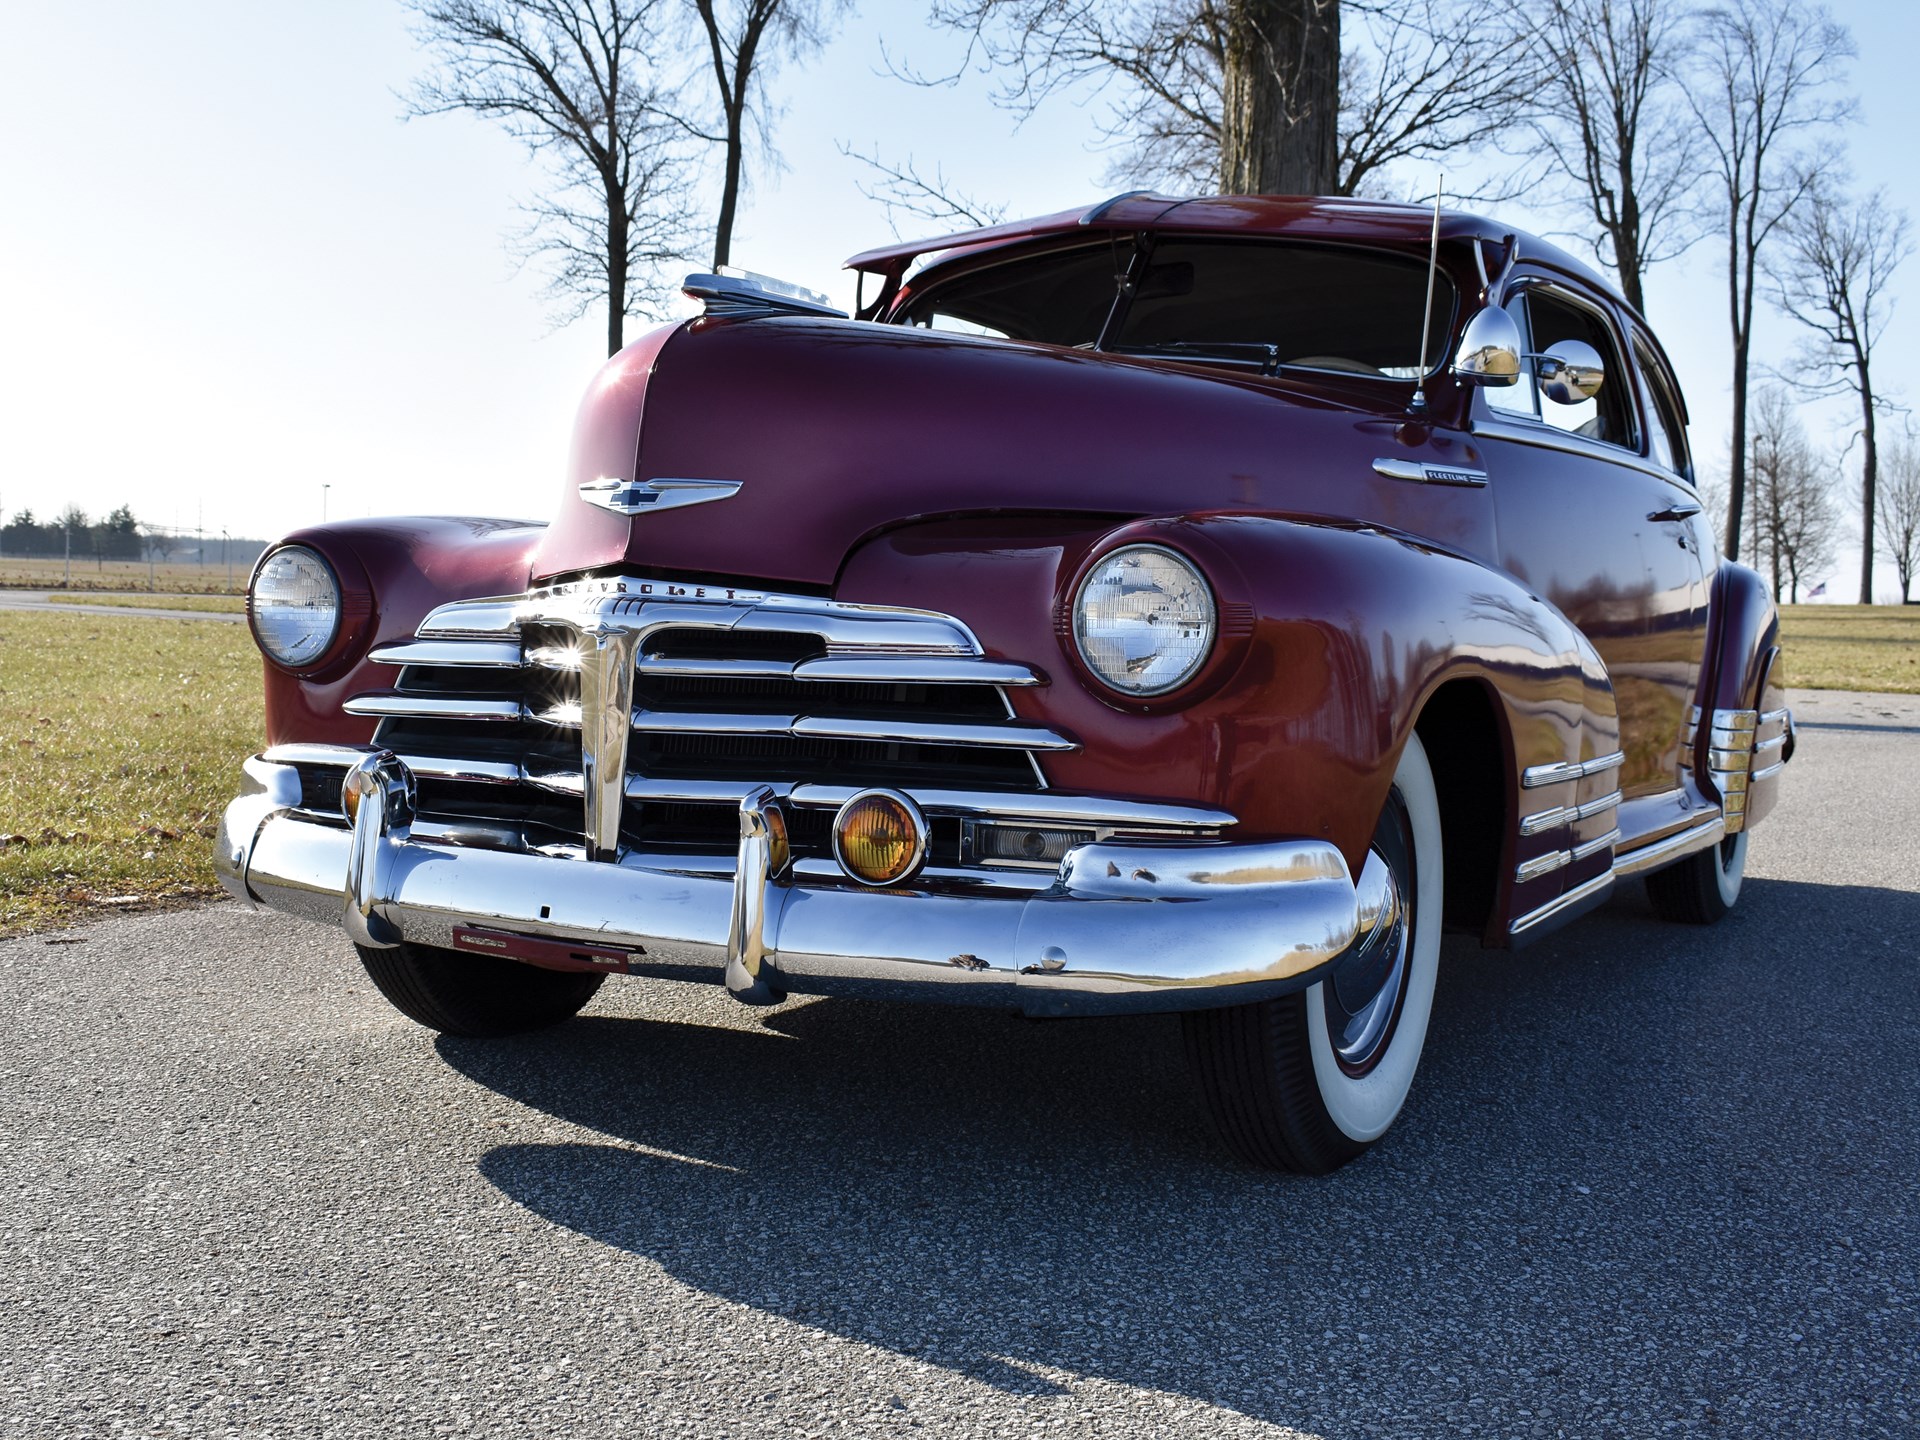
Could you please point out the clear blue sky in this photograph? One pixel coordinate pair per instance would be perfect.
(230, 274)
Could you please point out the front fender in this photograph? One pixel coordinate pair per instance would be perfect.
(408, 566)
(1351, 632)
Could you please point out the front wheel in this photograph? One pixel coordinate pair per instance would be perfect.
(1701, 888)
(460, 994)
(1308, 1081)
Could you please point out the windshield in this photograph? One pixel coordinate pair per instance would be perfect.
(1262, 304)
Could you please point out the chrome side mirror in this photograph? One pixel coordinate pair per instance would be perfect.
(1489, 352)
(1570, 372)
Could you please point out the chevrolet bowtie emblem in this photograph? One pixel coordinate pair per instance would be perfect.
(630, 497)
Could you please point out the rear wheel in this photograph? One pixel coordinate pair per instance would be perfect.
(1701, 888)
(1308, 1081)
(460, 994)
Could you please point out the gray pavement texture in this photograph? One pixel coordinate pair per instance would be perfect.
(1653, 1180)
(52, 600)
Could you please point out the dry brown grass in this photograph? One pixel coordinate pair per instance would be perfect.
(128, 575)
(120, 742)
(1851, 647)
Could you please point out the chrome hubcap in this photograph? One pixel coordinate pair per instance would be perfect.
(1368, 982)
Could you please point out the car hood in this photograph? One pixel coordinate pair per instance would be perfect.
(836, 431)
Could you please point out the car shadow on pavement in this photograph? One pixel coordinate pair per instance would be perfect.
(1630, 1149)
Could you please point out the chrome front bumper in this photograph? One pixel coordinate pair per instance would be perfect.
(1124, 926)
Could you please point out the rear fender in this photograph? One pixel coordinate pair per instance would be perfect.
(1744, 672)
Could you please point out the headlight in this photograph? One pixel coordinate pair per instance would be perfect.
(1144, 620)
(295, 607)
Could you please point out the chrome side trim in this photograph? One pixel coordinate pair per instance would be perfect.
(1770, 717)
(1566, 814)
(1548, 438)
(1541, 865)
(1534, 776)
(1768, 772)
(1595, 845)
(1673, 847)
(1593, 807)
(1422, 472)
(1768, 746)
(1566, 901)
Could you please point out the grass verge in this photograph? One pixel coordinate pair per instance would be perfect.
(218, 604)
(120, 740)
(44, 574)
(1851, 647)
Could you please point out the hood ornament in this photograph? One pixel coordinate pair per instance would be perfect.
(630, 497)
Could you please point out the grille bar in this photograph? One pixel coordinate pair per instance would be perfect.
(697, 694)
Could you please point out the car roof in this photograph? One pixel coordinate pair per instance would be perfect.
(1298, 217)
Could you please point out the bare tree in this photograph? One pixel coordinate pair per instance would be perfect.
(1611, 123)
(1793, 521)
(903, 189)
(1831, 273)
(745, 40)
(1899, 514)
(572, 80)
(1763, 85)
(1251, 95)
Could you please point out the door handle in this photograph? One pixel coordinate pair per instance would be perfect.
(1685, 510)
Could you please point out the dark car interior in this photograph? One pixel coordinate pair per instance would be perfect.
(1259, 304)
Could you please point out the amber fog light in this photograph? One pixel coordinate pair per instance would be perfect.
(779, 847)
(880, 837)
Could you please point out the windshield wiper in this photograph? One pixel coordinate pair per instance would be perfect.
(1248, 352)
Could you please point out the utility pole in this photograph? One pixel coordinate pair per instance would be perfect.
(324, 487)
(224, 555)
(66, 529)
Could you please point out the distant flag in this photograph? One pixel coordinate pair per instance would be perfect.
(1817, 590)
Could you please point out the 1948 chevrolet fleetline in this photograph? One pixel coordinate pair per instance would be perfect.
(1179, 605)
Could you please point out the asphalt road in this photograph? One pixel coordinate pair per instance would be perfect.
(1653, 1181)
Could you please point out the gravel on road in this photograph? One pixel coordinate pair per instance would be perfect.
(1653, 1180)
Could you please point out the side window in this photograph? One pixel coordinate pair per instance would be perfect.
(1609, 415)
(1545, 320)
(1666, 434)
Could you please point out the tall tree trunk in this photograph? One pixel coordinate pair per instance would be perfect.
(1869, 480)
(1281, 103)
(1737, 478)
(617, 235)
(729, 189)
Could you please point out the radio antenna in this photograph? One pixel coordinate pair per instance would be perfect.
(1418, 405)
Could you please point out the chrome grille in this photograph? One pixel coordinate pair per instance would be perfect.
(500, 708)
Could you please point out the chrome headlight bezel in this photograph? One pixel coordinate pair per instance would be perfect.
(1192, 636)
(312, 643)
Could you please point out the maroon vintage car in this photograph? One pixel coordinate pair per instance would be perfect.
(1178, 605)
